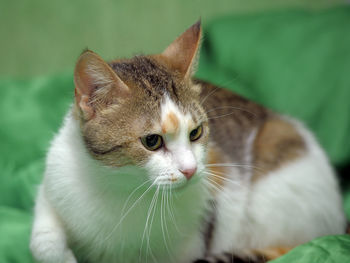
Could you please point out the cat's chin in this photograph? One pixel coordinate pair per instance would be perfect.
(165, 182)
(178, 184)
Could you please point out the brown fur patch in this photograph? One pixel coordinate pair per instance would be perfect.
(170, 124)
(347, 231)
(272, 253)
(277, 143)
(215, 157)
(231, 119)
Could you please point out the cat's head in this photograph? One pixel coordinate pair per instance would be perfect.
(145, 111)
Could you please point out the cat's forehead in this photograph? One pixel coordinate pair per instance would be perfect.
(148, 75)
(174, 119)
(159, 93)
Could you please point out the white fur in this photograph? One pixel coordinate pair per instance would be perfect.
(104, 209)
(90, 208)
(49, 242)
(181, 154)
(285, 208)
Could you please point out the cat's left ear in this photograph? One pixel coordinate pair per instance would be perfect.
(182, 54)
(96, 85)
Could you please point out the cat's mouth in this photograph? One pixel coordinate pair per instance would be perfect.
(175, 182)
(171, 181)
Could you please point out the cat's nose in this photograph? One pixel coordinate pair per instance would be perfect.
(188, 172)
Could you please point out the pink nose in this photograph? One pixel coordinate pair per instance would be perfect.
(188, 172)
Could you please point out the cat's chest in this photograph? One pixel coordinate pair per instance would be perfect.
(107, 226)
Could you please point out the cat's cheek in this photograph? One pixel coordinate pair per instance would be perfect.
(200, 153)
(137, 154)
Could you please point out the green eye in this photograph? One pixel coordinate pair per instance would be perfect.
(196, 133)
(152, 142)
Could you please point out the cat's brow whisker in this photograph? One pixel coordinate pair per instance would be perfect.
(220, 116)
(229, 107)
(207, 96)
(228, 82)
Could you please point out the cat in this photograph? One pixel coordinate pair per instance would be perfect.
(152, 165)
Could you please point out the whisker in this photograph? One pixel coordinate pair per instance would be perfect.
(218, 188)
(150, 228)
(151, 206)
(167, 209)
(132, 193)
(146, 226)
(207, 96)
(225, 83)
(234, 165)
(215, 183)
(163, 223)
(171, 213)
(229, 107)
(127, 212)
(218, 174)
(225, 179)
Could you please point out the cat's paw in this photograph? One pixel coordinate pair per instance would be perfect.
(49, 246)
(230, 258)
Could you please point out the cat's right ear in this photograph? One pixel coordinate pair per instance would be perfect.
(96, 84)
(182, 54)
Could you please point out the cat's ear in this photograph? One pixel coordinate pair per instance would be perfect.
(96, 84)
(182, 54)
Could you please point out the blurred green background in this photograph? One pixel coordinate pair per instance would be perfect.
(40, 37)
(276, 52)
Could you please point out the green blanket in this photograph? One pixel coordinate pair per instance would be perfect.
(294, 61)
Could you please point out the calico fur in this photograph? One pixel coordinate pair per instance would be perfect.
(254, 185)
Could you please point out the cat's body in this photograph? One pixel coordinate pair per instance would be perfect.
(258, 184)
(279, 163)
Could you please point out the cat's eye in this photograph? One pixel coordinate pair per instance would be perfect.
(196, 133)
(152, 142)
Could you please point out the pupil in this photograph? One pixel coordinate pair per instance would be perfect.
(152, 140)
(193, 133)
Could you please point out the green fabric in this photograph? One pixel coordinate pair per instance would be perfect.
(296, 62)
(14, 235)
(293, 61)
(31, 112)
(330, 249)
(44, 37)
